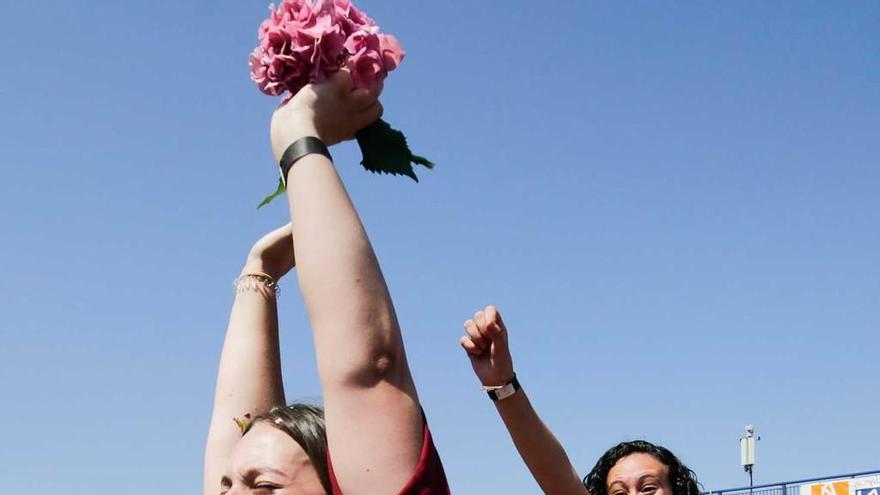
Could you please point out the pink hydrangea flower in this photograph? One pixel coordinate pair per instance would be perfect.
(304, 41)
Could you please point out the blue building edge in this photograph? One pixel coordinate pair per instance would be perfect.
(793, 487)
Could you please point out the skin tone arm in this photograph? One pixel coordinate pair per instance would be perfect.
(374, 422)
(249, 378)
(485, 342)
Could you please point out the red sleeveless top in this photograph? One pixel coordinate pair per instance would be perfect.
(428, 479)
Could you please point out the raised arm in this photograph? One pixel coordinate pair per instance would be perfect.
(486, 345)
(249, 378)
(374, 422)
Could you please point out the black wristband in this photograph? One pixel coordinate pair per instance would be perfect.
(504, 391)
(300, 148)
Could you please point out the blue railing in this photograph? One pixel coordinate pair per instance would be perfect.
(788, 487)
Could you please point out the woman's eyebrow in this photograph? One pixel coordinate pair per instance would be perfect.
(256, 471)
(647, 476)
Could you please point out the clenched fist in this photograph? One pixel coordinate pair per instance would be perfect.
(331, 111)
(485, 342)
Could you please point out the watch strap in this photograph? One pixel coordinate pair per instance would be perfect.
(504, 391)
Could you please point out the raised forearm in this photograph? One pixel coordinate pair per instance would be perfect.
(249, 377)
(374, 423)
(370, 400)
(342, 285)
(538, 447)
(486, 344)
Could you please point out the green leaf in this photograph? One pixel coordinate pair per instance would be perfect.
(385, 151)
(423, 161)
(278, 192)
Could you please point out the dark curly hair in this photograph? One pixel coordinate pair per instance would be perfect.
(682, 479)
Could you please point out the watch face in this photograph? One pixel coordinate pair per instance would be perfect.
(505, 392)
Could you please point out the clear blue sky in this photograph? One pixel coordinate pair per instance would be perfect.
(674, 204)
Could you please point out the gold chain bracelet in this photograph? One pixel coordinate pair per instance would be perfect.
(255, 281)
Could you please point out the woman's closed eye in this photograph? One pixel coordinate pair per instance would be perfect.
(261, 487)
